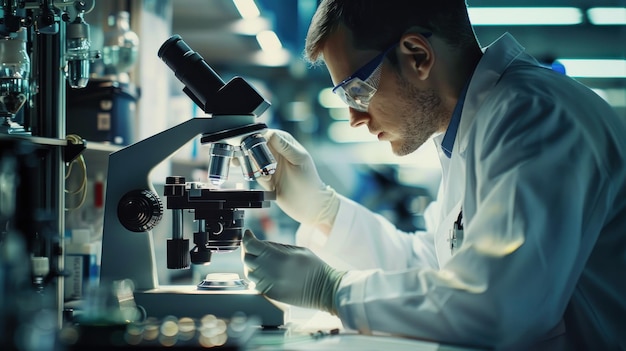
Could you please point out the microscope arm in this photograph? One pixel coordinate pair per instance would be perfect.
(134, 163)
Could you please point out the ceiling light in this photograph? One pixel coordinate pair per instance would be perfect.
(371, 151)
(247, 8)
(607, 15)
(594, 68)
(268, 40)
(339, 114)
(515, 16)
(615, 97)
(299, 111)
(342, 132)
(328, 99)
(250, 26)
(276, 58)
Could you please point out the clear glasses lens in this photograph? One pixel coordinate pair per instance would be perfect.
(357, 93)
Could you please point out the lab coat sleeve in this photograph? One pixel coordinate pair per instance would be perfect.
(361, 239)
(531, 221)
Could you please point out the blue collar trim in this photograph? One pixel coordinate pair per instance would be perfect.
(448, 140)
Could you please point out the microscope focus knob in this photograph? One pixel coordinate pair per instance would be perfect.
(140, 210)
(177, 253)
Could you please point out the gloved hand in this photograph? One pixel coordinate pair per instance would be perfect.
(299, 190)
(290, 274)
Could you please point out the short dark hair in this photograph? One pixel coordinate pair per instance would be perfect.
(376, 24)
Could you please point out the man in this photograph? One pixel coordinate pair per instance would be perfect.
(526, 243)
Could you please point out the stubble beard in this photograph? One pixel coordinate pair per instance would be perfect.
(425, 116)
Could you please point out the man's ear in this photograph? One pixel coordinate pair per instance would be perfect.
(416, 55)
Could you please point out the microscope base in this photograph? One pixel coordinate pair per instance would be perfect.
(188, 301)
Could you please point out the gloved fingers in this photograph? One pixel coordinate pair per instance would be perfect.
(287, 146)
(262, 284)
(255, 247)
(234, 161)
(259, 277)
(251, 262)
(251, 244)
(267, 182)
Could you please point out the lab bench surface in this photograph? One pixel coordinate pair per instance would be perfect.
(283, 340)
(309, 330)
(344, 342)
(305, 330)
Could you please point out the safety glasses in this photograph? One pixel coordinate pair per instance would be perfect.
(358, 89)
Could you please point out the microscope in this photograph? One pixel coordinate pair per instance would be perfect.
(133, 208)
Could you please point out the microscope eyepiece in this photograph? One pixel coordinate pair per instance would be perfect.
(201, 82)
(205, 87)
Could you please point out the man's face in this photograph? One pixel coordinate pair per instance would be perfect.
(401, 112)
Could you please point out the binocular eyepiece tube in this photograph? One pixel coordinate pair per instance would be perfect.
(255, 159)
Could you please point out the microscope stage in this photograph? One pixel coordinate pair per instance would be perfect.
(187, 301)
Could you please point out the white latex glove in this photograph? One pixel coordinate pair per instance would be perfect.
(300, 192)
(290, 274)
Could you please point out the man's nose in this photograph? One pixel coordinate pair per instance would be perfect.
(358, 118)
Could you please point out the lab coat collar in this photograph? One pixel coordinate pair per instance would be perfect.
(453, 127)
(496, 59)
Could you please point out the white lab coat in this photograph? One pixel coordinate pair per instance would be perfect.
(538, 166)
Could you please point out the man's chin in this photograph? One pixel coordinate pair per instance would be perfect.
(397, 149)
(400, 149)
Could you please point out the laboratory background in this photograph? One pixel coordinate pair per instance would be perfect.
(117, 129)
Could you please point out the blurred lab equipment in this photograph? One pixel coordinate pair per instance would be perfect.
(104, 110)
(27, 312)
(44, 49)
(23, 22)
(133, 208)
(121, 47)
(78, 45)
(14, 79)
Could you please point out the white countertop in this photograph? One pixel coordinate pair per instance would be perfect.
(315, 330)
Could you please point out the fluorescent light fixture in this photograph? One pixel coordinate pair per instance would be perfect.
(342, 132)
(339, 114)
(328, 99)
(250, 26)
(247, 8)
(594, 68)
(615, 97)
(363, 147)
(521, 16)
(298, 111)
(268, 40)
(607, 15)
(276, 58)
